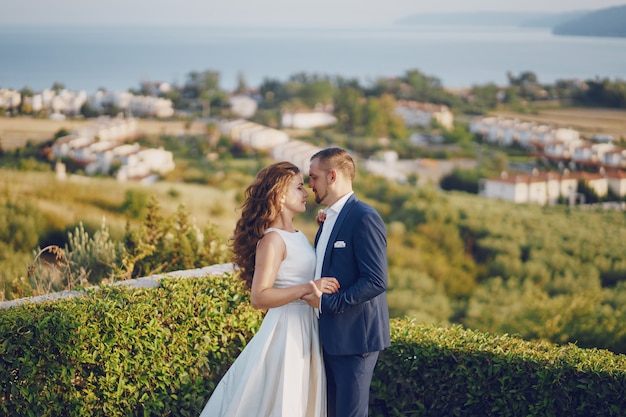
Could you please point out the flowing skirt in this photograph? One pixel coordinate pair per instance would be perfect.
(280, 372)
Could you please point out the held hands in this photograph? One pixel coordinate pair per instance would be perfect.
(326, 285)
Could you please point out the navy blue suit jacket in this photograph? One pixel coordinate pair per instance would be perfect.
(356, 319)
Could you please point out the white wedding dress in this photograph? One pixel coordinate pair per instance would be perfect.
(280, 372)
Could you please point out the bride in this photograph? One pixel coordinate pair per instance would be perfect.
(280, 372)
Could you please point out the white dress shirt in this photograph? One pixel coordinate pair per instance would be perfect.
(332, 213)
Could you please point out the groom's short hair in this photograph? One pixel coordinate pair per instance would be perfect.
(338, 159)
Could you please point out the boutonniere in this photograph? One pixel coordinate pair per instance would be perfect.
(339, 244)
(321, 216)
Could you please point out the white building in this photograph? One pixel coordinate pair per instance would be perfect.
(615, 158)
(10, 99)
(566, 135)
(101, 145)
(68, 102)
(543, 134)
(540, 188)
(66, 145)
(226, 127)
(518, 188)
(297, 152)
(596, 181)
(252, 134)
(525, 134)
(265, 139)
(617, 182)
(560, 149)
(243, 106)
(36, 102)
(137, 105)
(479, 125)
(145, 162)
(306, 119)
(568, 184)
(422, 114)
(508, 132)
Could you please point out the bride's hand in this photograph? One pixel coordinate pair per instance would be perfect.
(327, 285)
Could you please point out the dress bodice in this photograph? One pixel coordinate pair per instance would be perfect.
(298, 266)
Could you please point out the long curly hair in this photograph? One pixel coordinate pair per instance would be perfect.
(259, 210)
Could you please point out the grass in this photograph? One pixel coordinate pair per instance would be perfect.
(587, 121)
(90, 199)
(16, 131)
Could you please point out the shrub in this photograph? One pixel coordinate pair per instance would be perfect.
(122, 352)
(436, 371)
(169, 244)
(135, 203)
(98, 254)
(159, 352)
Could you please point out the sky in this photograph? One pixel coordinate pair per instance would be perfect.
(261, 13)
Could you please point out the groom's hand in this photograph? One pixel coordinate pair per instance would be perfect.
(326, 285)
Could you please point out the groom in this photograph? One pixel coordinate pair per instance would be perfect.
(351, 246)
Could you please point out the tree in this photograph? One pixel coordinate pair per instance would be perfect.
(603, 92)
(60, 133)
(380, 120)
(459, 135)
(202, 82)
(425, 88)
(348, 108)
(524, 79)
(271, 91)
(212, 135)
(88, 111)
(486, 96)
(591, 196)
(461, 180)
(185, 243)
(26, 107)
(27, 92)
(375, 125)
(175, 96)
(316, 90)
(511, 95)
(57, 86)
(242, 85)
(527, 85)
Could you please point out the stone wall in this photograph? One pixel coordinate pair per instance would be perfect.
(144, 282)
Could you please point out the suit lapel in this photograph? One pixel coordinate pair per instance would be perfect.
(319, 232)
(343, 215)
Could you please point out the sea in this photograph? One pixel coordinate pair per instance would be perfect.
(120, 58)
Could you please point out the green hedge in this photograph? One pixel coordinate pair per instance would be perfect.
(123, 352)
(431, 371)
(160, 352)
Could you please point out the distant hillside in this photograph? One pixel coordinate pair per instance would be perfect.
(527, 19)
(554, 19)
(604, 22)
